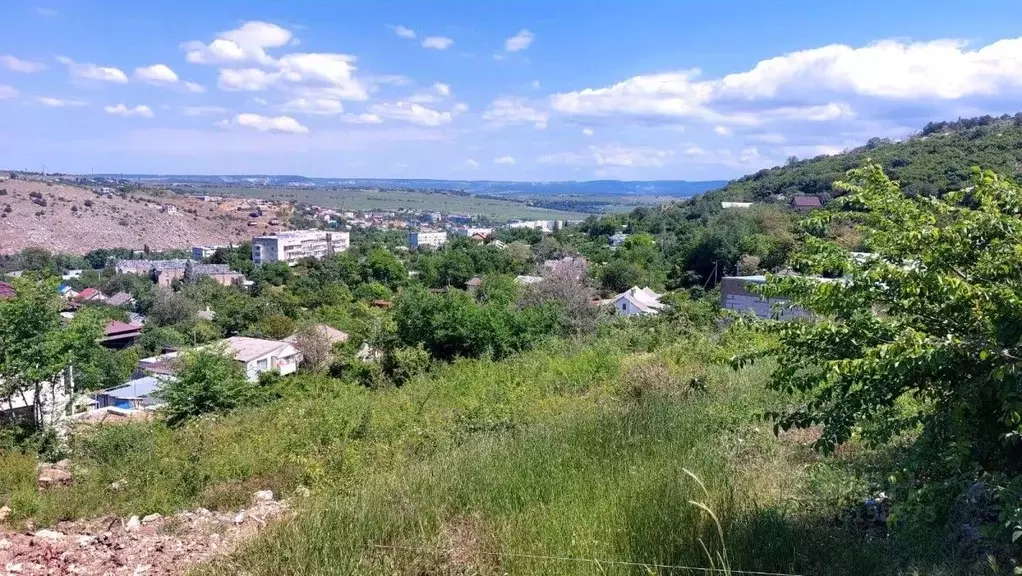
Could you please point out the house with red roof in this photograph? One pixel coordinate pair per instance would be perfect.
(89, 294)
(118, 335)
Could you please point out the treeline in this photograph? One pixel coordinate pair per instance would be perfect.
(935, 161)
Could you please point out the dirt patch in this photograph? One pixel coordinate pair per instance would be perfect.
(151, 545)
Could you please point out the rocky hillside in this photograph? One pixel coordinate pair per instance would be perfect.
(76, 220)
(935, 160)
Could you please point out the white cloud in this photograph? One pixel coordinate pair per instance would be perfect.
(520, 41)
(459, 108)
(265, 123)
(51, 102)
(588, 131)
(404, 32)
(156, 74)
(471, 163)
(612, 155)
(694, 151)
(411, 112)
(318, 106)
(535, 84)
(246, 79)
(142, 111)
(260, 101)
(437, 42)
(89, 71)
(508, 160)
(205, 110)
(16, 64)
(7, 92)
(311, 75)
(246, 43)
(47, 12)
(505, 111)
(722, 130)
(363, 118)
(439, 92)
(195, 87)
(809, 85)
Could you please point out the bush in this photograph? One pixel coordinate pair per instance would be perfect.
(88, 203)
(209, 381)
(404, 363)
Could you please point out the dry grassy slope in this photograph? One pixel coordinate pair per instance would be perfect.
(131, 222)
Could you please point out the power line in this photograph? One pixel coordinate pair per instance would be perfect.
(592, 561)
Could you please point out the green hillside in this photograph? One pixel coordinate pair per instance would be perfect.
(934, 161)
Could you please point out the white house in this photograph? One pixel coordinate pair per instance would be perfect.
(295, 245)
(423, 238)
(468, 232)
(638, 301)
(258, 355)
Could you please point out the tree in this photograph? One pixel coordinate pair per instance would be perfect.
(924, 336)
(209, 381)
(167, 308)
(36, 347)
(572, 299)
(314, 346)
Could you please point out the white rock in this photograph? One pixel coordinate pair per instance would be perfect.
(13, 568)
(240, 517)
(50, 535)
(152, 518)
(143, 569)
(84, 541)
(133, 524)
(302, 492)
(119, 485)
(5, 513)
(5, 544)
(263, 496)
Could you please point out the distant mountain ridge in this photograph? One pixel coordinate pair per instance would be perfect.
(680, 188)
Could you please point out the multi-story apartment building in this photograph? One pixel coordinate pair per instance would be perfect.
(292, 246)
(422, 238)
(201, 252)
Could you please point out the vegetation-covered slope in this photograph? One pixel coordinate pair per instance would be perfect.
(936, 160)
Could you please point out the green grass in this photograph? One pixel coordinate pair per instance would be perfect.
(412, 200)
(577, 450)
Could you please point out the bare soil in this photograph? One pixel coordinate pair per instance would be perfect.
(160, 220)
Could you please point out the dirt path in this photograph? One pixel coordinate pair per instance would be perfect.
(152, 545)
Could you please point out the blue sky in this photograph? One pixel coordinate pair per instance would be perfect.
(476, 89)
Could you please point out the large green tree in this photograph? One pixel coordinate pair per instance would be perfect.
(924, 337)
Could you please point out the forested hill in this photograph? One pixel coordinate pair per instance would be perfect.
(936, 160)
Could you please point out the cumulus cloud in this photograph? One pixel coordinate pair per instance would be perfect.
(317, 106)
(437, 42)
(194, 87)
(322, 75)
(611, 155)
(507, 160)
(265, 123)
(141, 111)
(722, 130)
(364, 118)
(506, 111)
(16, 64)
(471, 163)
(411, 112)
(7, 92)
(51, 102)
(404, 32)
(588, 131)
(439, 92)
(520, 41)
(156, 74)
(814, 85)
(245, 43)
(89, 71)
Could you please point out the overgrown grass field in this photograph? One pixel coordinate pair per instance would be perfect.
(567, 460)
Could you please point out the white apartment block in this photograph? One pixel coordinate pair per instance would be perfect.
(434, 239)
(293, 246)
(469, 232)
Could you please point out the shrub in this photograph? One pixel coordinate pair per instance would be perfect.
(88, 203)
(209, 382)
